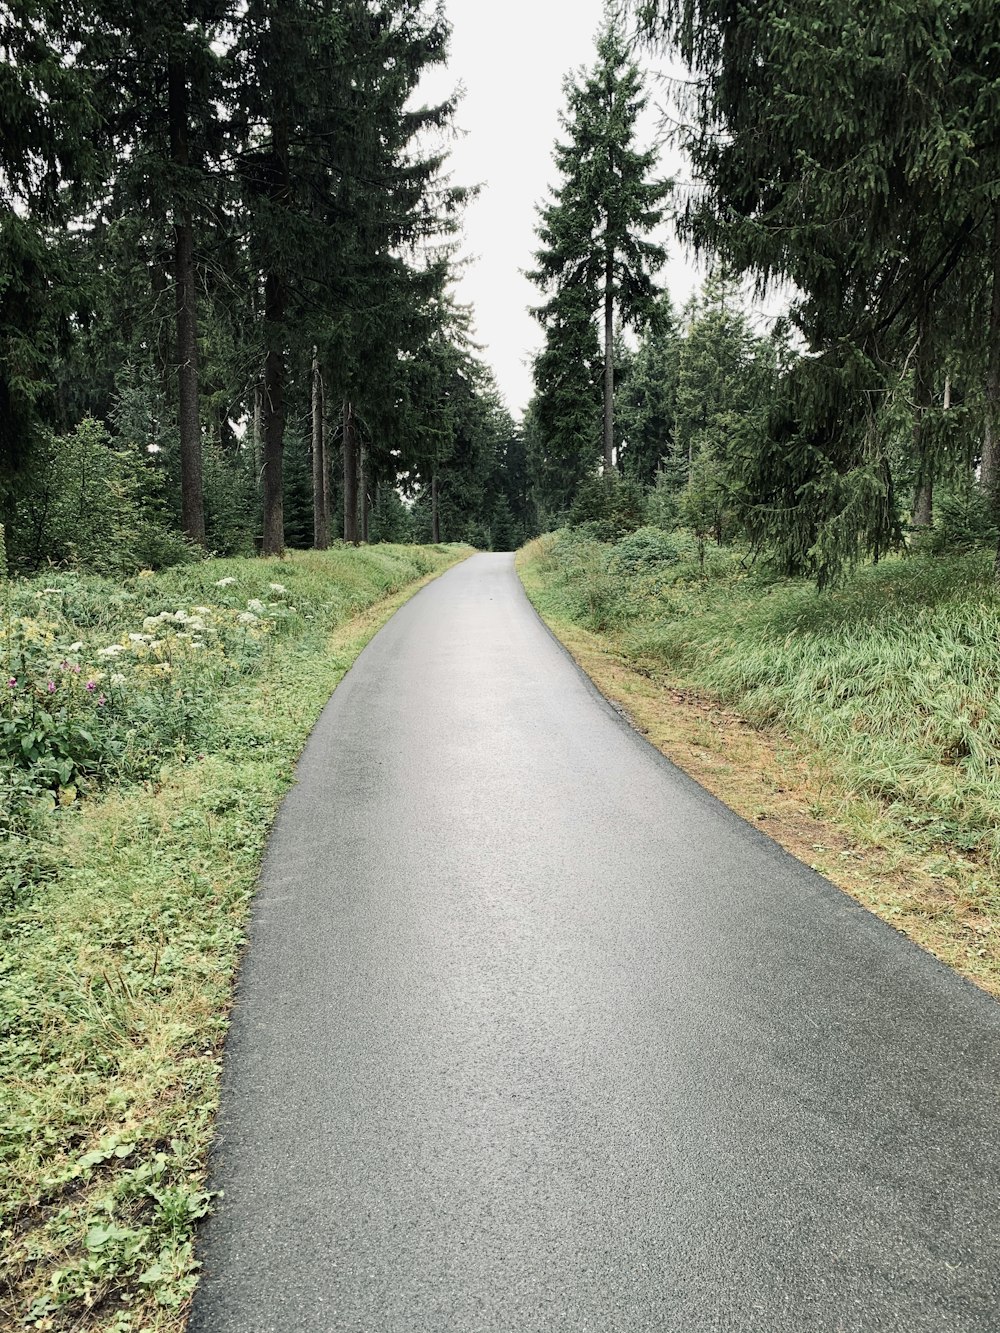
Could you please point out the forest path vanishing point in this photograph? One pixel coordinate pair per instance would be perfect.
(534, 1035)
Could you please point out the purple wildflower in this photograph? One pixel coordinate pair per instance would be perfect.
(51, 687)
(12, 683)
(101, 701)
(91, 686)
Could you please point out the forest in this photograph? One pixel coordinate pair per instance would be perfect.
(244, 416)
(229, 238)
(228, 234)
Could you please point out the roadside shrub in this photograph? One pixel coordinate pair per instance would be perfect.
(643, 551)
(609, 507)
(84, 503)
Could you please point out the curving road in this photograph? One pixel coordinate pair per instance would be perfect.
(535, 1036)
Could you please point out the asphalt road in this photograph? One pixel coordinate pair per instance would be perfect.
(534, 1035)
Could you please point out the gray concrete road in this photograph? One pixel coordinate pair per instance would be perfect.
(535, 1036)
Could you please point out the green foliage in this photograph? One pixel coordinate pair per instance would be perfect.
(965, 520)
(88, 503)
(595, 255)
(644, 551)
(890, 677)
(608, 506)
(390, 519)
(853, 153)
(646, 404)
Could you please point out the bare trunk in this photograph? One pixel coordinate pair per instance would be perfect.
(326, 459)
(609, 370)
(188, 417)
(989, 474)
(922, 513)
(274, 419)
(363, 489)
(321, 520)
(350, 477)
(258, 433)
(159, 282)
(435, 515)
(275, 312)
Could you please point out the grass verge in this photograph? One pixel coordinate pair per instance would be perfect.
(859, 728)
(117, 966)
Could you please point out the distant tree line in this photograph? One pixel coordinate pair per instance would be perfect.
(226, 243)
(849, 152)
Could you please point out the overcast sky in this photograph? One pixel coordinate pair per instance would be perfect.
(511, 60)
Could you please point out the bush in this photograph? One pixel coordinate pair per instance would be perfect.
(964, 521)
(610, 507)
(644, 551)
(83, 503)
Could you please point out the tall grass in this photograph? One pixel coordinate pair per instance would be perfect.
(893, 677)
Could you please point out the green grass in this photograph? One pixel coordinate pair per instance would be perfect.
(891, 681)
(127, 914)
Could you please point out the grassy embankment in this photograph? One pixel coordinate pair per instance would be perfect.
(163, 718)
(860, 727)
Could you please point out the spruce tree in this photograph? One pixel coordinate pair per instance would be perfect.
(852, 150)
(595, 254)
(646, 404)
(49, 170)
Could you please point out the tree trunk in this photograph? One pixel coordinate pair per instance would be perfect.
(989, 472)
(609, 370)
(166, 349)
(321, 518)
(188, 417)
(274, 418)
(256, 443)
(363, 493)
(922, 513)
(326, 459)
(350, 477)
(435, 515)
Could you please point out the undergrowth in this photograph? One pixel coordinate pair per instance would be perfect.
(127, 878)
(891, 678)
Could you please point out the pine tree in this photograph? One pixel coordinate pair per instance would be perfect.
(595, 255)
(48, 172)
(646, 403)
(161, 89)
(852, 150)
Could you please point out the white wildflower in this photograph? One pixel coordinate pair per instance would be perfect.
(277, 587)
(224, 583)
(247, 618)
(74, 647)
(256, 606)
(112, 650)
(116, 678)
(138, 638)
(202, 610)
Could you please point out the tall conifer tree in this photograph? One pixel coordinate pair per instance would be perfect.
(595, 252)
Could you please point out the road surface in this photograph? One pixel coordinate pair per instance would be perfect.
(535, 1036)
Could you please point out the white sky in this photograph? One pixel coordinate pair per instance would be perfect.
(511, 60)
